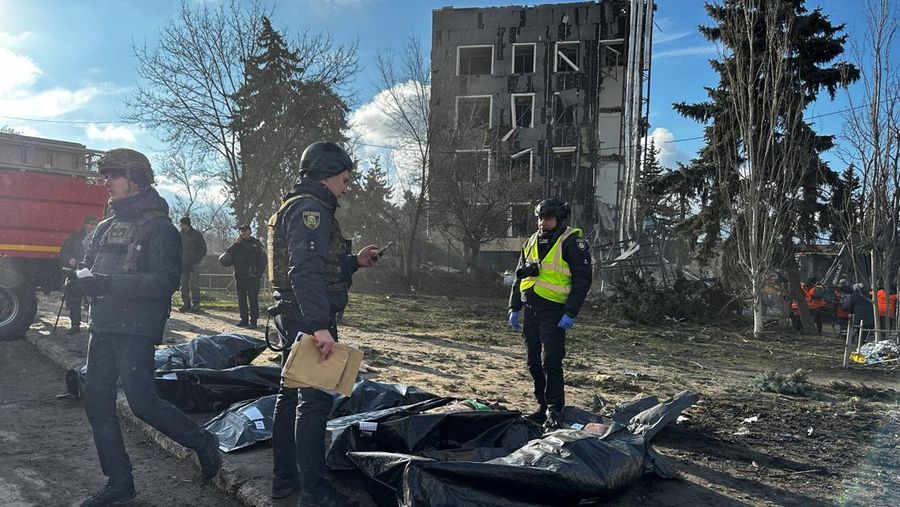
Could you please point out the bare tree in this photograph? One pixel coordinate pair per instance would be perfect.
(190, 84)
(405, 80)
(871, 217)
(758, 175)
(193, 181)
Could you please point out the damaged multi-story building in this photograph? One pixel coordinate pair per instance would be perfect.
(536, 98)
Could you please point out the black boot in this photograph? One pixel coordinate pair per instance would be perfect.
(111, 494)
(554, 419)
(75, 329)
(209, 458)
(242, 323)
(252, 324)
(539, 415)
(284, 489)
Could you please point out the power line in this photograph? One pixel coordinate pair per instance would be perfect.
(66, 122)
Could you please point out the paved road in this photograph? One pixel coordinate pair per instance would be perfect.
(47, 455)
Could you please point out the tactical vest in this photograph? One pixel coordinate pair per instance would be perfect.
(119, 247)
(554, 280)
(338, 248)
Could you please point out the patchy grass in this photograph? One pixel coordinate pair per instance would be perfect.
(774, 382)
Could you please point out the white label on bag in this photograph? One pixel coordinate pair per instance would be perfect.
(368, 426)
(259, 425)
(253, 414)
(169, 376)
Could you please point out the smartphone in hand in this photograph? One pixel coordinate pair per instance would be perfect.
(381, 251)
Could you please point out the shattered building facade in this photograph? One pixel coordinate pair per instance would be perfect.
(534, 97)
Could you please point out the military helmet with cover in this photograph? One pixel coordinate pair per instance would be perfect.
(324, 159)
(552, 208)
(130, 163)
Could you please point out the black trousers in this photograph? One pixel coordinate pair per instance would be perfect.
(73, 303)
(545, 344)
(248, 292)
(130, 358)
(298, 426)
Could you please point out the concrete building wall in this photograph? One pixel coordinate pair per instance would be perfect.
(571, 154)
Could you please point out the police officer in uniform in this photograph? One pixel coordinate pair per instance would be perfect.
(310, 269)
(135, 258)
(248, 256)
(552, 279)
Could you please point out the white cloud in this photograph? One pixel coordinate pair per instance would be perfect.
(669, 154)
(18, 71)
(110, 133)
(661, 37)
(25, 130)
(46, 104)
(373, 136)
(8, 39)
(706, 50)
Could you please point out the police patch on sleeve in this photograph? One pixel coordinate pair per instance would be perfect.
(581, 244)
(311, 220)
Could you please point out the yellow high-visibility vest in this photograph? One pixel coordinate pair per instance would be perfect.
(554, 280)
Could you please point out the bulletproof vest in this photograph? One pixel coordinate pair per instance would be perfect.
(338, 248)
(119, 248)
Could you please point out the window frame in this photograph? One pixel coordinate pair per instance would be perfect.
(512, 109)
(533, 57)
(530, 153)
(490, 98)
(489, 159)
(574, 65)
(458, 53)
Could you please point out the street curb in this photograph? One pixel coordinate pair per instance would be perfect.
(232, 480)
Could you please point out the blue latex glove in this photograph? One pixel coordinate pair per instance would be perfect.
(566, 322)
(514, 320)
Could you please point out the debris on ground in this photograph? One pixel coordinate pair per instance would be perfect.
(774, 382)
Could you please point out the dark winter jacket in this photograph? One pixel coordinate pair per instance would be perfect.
(576, 253)
(248, 257)
(193, 249)
(73, 248)
(862, 309)
(139, 301)
(308, 226)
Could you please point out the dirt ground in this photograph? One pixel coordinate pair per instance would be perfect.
(739, 446)
(47, 455)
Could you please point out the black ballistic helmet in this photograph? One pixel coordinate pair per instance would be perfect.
(131, 164)
(323, 159)
(552, 208)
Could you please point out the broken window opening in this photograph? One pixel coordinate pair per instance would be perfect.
(562, 114)
(523, 110)
(566, 57)
(473, 112)
(520, 166)
(523, 58)
(474, 60)
(473, 166)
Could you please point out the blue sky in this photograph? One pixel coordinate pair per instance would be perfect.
(67, 66)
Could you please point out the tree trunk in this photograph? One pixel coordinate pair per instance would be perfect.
(807, 323)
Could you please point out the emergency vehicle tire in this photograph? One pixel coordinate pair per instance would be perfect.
(18, 305)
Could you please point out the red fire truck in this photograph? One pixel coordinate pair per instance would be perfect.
(47, 187)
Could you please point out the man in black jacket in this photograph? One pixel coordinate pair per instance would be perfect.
(248, 256)
(70, 255)
(193, 251)
(552, 279)
(310, 268)
(135, 261)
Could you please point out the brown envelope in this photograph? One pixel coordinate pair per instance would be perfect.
(336, 375)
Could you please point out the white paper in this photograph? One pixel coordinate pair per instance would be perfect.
(84, 273)
(253, 414)
(169, 376)
(259, 425)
